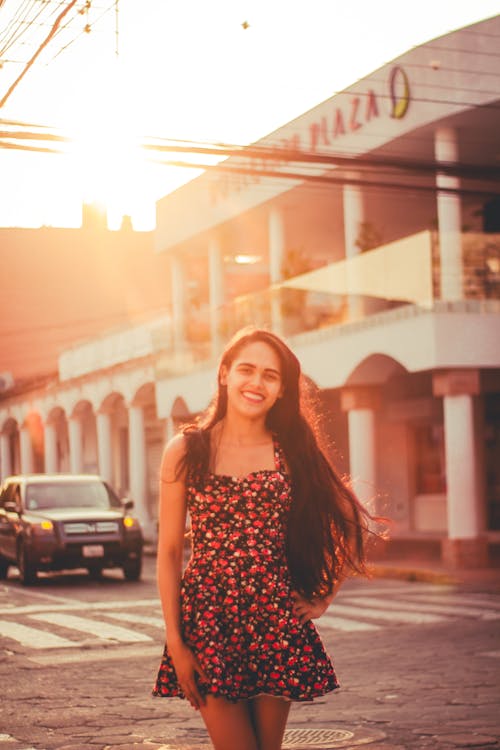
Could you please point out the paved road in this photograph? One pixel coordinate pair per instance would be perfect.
(418, 663)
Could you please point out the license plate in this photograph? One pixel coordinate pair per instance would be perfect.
(93, 550)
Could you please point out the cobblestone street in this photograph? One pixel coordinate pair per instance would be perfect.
(404, 685)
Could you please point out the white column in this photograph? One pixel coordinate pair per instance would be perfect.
(178, 301)
(216, 292)
(50, 448)
(362, 454)
(361, 403)
(5, 460)
(449, 217)
(466, 545)
(137, 462)
(354, 216)
(26, 450)
(104, 454)
(75, 445)
(276, 234)
(461, 475)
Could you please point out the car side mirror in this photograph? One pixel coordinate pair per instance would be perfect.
(11, 507)
(127, 504)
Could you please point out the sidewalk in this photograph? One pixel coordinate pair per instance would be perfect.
(420, 560)
(433, 571)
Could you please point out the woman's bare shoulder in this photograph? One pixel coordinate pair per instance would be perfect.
(174, 454)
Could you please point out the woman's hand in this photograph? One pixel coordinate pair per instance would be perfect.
(308, 609)
(186, 667)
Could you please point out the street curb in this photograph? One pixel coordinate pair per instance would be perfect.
(421, 575)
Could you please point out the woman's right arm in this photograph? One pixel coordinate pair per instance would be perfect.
(172, 522)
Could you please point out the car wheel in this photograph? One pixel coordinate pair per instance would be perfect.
(132, 569)
(27, 570)
(4, 568)
(95, 572)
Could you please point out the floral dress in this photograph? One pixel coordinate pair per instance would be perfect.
(236, 606)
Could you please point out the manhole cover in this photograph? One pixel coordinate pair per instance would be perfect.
(323, 738)
(295, 739)
(329, 739)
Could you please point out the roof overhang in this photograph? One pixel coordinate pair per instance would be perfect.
(428, 85)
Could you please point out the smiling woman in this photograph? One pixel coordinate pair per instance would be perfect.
(274, 532)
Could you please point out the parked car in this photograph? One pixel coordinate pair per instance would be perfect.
(62, 521)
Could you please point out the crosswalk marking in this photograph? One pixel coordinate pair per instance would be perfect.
(155, 622)
(32, 637)
(100, 629)
(107, 654)
(332, 621)
(456, 610)
(475, 600)
(342, 623)
(414, 588)
(77, 605)
(380, 614)
(138, 623)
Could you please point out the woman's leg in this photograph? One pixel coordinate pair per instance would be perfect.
(269, 716)
(229, 724)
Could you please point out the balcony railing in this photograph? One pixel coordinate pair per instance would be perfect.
(402, 273)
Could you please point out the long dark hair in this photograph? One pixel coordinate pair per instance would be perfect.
(327, 523)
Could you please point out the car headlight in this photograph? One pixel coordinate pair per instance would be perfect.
(44, 528)
(130, 523)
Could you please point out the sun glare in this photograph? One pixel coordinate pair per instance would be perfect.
(107, 162)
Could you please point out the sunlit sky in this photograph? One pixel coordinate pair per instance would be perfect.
(226, 70)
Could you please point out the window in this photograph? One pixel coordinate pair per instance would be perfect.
(41, 496)
(430, 459)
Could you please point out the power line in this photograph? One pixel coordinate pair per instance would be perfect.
(278, 154)
(46, 41)
(468, 171)
(330, 180)
(15, 24)
(88, 27)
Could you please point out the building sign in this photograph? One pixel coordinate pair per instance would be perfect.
(400, 92)
(346, 118)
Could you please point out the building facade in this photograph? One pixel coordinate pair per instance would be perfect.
(367, 232)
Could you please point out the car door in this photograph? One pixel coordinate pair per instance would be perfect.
(9, 520)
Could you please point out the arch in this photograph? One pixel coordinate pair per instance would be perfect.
(10, 454)
(180, 409)
(34, 424)
(55, 414)
(144, 395)
(82, 408)
(110, 402)
(83, 411)
(374, 370)
(10, 426)
(56, 444)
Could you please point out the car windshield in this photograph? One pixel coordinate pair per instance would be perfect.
(69, 495)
